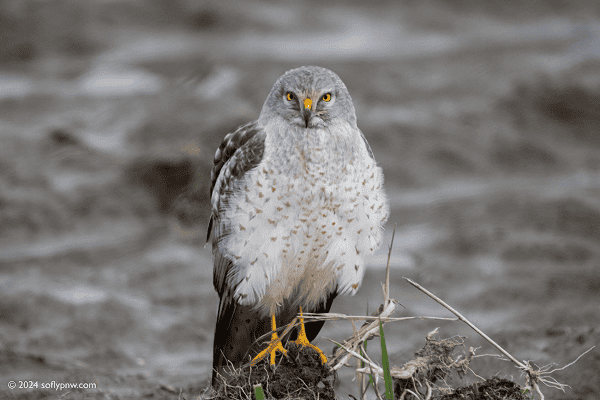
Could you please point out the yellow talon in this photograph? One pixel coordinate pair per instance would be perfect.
(275, 344)
(273, 347)
(303, 340)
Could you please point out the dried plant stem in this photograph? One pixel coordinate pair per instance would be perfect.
(466, 321)
(337, 316)
(386, 288)
(372, 367)
(365, 332)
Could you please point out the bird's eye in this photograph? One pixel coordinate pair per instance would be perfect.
(326, 97)
(290, 96)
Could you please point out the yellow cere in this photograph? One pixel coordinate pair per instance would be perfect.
(307, 103)
(326, 97)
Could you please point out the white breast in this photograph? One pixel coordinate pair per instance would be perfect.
(302, 227)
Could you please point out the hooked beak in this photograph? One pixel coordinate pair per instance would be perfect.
(307, 110)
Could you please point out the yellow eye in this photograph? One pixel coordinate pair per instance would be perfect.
(290, 96)
(326, 97)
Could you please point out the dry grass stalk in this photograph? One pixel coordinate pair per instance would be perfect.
(366, 332)
(375, 317)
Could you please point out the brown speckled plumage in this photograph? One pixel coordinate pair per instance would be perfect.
(297, 202)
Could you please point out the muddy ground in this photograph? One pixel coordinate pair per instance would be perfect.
(485, 120)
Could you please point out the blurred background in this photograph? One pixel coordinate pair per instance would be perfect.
(485, 117)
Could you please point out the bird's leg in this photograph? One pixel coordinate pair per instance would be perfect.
(274, 346)
(302, 340)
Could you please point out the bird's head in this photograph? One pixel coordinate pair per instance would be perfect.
(310, 97)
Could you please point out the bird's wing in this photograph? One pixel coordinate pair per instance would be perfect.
(367, 145)
(238, 153)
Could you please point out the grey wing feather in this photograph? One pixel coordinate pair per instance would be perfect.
(238, 153)
(367, 144)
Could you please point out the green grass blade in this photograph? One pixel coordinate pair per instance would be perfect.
(258, 392)
(387, 377)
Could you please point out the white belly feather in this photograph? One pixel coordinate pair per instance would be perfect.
(304, 231)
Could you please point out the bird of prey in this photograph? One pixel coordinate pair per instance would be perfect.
(297, 203)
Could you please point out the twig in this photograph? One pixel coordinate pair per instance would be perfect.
(338, 316)
(364, 333)
(377, 369)
(429, 391)
(386, 288)
(413, 393)
(479, 377)
(466, 321)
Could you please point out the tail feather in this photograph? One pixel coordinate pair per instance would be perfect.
(238, 328)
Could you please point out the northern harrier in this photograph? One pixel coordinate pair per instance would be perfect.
(297, 202)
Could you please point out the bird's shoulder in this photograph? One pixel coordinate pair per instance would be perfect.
(239, 152)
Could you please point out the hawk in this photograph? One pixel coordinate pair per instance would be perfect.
(297, 203)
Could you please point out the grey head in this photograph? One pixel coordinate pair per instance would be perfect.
(309, 97)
